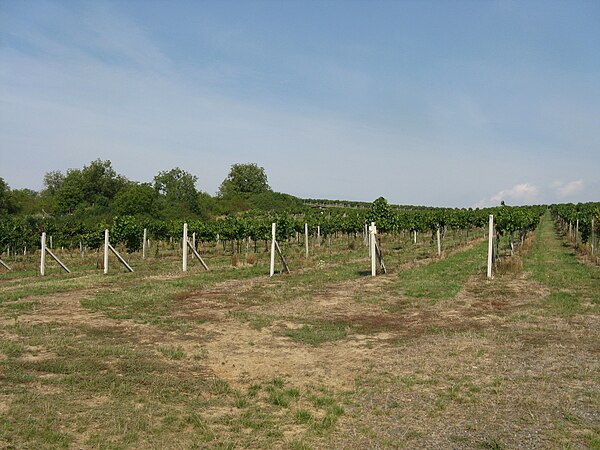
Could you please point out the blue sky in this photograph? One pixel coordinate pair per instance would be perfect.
(424, 102)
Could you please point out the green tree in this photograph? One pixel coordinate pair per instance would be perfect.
(6, 203)
(136, 199)
(178, 186)
(381, 213)
(25, 201)
(244, 179)
(70, 195)
(178, 197)
(101, 183)
(95, 185)
(53, 181)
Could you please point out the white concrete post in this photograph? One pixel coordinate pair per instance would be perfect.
(43, 255)
(184, 246)
(194, 239)
(570, 229)
(414, 236)
(372, 237)
(50, 242)
(490, 246)
(577, 234)
(306, 238)
(439, 242)
(105, 251)
(272, 268)
(144, 243)
(593, 236)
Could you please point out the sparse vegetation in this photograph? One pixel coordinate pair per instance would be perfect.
(325, 357)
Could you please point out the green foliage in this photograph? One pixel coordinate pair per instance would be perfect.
(6, 205)
(380, 212)
(244, 179)
(137, 199)
(127, 230)
(94, 186)
(178, 189)
(582, 212)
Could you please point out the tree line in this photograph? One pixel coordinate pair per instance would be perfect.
(97, 192)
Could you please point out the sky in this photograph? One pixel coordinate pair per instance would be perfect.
(440, 103)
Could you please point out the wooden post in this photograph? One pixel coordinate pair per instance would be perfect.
(306, 238)
(2, 263)
(439, 242)
(43, 255)
(372, 237)
(105, 251)
(272, 269)
(283, 261)
(490, 246)
(184, 246)
(194, 239)
(144, 243)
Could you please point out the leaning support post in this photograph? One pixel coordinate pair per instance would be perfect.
(272, 269)
(108, 247)
(283, 261)
(490, 246)
(185, 246)
(197, 255)
(3, 264)
(58, 260)
(439, 242)
(380, 257)
(43, 255)
(119, 257)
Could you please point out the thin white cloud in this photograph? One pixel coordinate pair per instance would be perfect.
(564, 190)
(523, 193)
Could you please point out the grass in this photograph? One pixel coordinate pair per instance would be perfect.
(159, 359)
(318, 332)
(573, 286)
(445, 278)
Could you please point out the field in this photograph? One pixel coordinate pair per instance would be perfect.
(431, 355)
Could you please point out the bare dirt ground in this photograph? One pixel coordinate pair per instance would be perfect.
(488, 368)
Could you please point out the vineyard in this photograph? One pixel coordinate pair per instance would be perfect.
(247, 234)
(431, 354)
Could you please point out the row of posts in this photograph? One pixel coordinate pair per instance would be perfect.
(372, 236)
